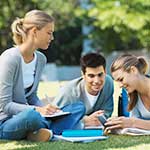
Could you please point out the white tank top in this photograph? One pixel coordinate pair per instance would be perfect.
(28, 72)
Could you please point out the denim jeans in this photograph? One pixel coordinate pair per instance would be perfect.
(17, 127)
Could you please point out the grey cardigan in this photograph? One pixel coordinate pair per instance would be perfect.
(75, 90)
(13, 98)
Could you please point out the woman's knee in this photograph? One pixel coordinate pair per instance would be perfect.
(32, 115)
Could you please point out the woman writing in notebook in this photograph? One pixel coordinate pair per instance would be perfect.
(129, 71)
(21, 67)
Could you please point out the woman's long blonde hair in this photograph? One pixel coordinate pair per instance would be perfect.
(34, 18)
(125, 62)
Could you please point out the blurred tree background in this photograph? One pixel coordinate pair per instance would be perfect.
(116, 25)
(120, 24)
(67, 46)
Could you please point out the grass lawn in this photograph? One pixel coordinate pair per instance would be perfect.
(114, 142)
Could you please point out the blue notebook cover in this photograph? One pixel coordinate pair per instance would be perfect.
(83, 133)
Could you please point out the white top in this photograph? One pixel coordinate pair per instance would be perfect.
(28, 71)
(91, 98)
(140, 111)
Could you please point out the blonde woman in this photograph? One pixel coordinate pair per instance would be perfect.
(21, 67)
(130, 72)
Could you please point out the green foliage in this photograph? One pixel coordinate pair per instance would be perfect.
(66, 47)
(117, 25)
(10, 9)
(121, 24)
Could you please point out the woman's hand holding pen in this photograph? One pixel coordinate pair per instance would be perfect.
(47, 110)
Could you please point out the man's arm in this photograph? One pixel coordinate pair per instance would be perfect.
(107, 97)
(64, 97)
(108, 107)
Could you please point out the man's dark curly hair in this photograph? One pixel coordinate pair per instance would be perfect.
(92, 60)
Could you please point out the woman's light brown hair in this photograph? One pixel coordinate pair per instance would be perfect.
(125, 62)
(34, 18)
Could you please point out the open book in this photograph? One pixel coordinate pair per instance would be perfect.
(132, 131)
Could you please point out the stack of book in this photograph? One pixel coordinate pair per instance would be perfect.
(86, 135)
(89, 134)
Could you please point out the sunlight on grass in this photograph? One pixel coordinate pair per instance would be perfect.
(138, 147)
(12, 145)
(48, 88)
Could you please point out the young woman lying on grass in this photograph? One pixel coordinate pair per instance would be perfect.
(130, 72)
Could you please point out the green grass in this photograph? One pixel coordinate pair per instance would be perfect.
(114, 142)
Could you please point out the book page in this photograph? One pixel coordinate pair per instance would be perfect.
(57, 114)
(135, 131)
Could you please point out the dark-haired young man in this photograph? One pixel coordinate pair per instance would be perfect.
(95, 88)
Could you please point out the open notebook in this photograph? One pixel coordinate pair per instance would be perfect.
(132, 131)
(57, 115)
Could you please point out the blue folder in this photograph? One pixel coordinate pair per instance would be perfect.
(83, 133)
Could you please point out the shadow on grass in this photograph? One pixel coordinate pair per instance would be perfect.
(113, 142)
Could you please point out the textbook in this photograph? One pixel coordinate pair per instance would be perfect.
(83, 133)
(132, 131)
(79, 139)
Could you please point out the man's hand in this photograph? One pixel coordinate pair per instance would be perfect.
(47, 110)
(92, 120)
